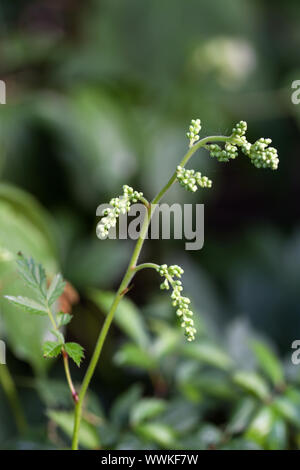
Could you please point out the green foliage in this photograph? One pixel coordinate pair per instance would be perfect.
(120, 119)
(146, 408)
(34, 275)
(88, 436)
(268, 362)
(52, 349)
(28, 304)
(127, 316)
(63, 319)
(27, 228)
(55, 289)
(253, 383)
(75, 351)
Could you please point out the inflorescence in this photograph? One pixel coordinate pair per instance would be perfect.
(194, 129)
(260, 154)
(191, 179)
(182, 303)
(120, 205)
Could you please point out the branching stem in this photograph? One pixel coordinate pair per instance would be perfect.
(130, 272)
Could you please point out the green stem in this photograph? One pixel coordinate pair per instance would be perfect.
(10, 390)
(144, 266)
(130, 272)
(65, 360)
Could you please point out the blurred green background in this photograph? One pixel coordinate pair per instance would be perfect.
(100, 94)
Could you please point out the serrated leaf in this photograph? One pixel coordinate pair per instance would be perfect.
(33, 274)
(253, 383)
(145, 409)
(51, 348)
(27, 228)
(27, 304)
(268, 362)
(55, 289)
(63, 319)
(75, 351)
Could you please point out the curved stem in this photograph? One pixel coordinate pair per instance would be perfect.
(130, 272)
(144, 266)
(65, 360)
(68, 375)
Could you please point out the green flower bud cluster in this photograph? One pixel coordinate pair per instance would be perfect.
(194, 129)
(259, 153)
(120, 205)
(189, 179)
(182, 303)
(230, 151)
(239, 131)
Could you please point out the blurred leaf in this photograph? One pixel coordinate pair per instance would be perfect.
(268, 362)
(181, 415)
(29, 305)
(27, 228)
(241, 417)
(122, 407)
(206, 437)
(209, 354)
(287, 409)
(240, 444)
(63, 319)
(82, 265)
(167, 339)
(54, 393)
(158, 433)
(75, 351)
(253, 383)
(145, 409)
(277, 439)
(127, 316)
(23, 203)
(131, 355)
(195, 382)
(88, 436)
(129, 441)
(261, 426)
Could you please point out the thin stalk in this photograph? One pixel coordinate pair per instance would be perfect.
(130, 272)
(10, 390)
(145, 266)
(65, 360)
